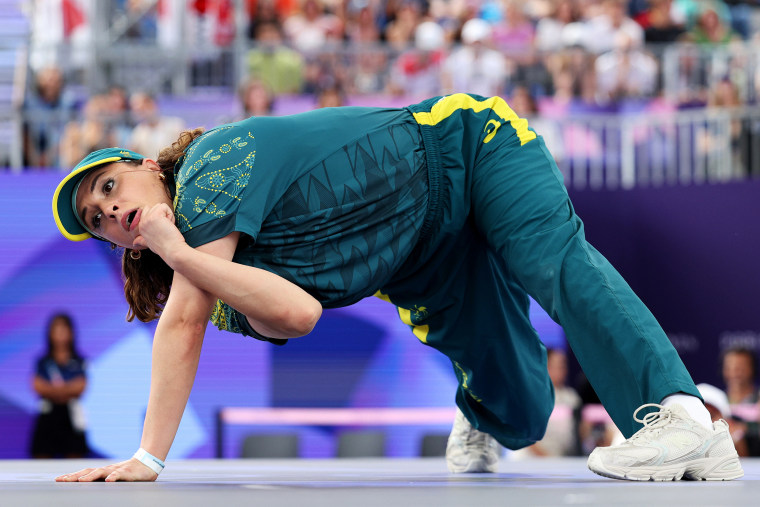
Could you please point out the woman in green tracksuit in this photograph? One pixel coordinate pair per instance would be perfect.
(451, 209)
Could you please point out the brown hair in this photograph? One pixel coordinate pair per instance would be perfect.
(148, 279)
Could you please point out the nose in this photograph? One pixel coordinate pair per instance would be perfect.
(114, 208)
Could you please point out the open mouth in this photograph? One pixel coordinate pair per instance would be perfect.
(131, 217)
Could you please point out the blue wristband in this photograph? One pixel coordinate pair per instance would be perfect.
(149, 460)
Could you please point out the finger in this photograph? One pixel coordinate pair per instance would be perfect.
(74, 476)
(114, 476)
(139, 241)
(97, 474)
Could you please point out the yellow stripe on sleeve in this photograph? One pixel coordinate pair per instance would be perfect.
(452, 103)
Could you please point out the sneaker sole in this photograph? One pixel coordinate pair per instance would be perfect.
(473, 467)
(706, 469)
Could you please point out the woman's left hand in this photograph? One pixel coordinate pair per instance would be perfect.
(158, 232)
(129, 470)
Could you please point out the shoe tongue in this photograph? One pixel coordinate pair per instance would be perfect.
(678, 410)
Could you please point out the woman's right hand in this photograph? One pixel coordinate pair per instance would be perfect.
(130, 470)
(158, 232)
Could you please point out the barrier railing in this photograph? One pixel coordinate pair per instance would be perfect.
(708, 145)
(422, 416)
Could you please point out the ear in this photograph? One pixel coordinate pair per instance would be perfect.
(151, 164)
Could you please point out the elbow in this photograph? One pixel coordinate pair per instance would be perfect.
(311, 317)
(304, 320)
(296, 322)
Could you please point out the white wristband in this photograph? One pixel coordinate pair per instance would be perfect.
(149, 460)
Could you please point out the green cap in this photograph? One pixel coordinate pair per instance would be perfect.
(64, 200)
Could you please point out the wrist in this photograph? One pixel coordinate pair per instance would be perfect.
(150, 461)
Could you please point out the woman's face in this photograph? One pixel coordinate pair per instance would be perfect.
(60, 333)
(111, 199)
(737, 369)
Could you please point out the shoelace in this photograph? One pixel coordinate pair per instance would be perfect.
(652, 420)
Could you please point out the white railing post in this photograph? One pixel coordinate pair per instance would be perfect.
(627, 155)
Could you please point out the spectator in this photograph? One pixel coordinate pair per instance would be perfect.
(256, 99)
(91, 132)
(475, 66)
(514, 36)
(417, 72)
(717, 404)
(143, 15)
(399, 33)
(604, 29)
(312, 28)
(736, 133)
(330, 97)
(153, 132)
(739, 370)
(710, 29)
(550, 30)
(524, 104)
(268, 11)
(561, 437)
(118, 115)
(361, 27)
(47, 108)
(626, 72)
(59, 430)
(270, 61)
(659, 23)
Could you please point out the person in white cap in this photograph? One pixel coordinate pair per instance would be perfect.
(475, 66)
(716, 402)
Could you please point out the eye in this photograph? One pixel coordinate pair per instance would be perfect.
(107, 186)
(96, 221)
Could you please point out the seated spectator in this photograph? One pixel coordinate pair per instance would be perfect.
(256, 99)
(739, 370)
(717, 404)
(92, 132)
(118, 115)
(626, 72)
(399, 33)
(550, 29)
(152, 132)
(417, 72)
(561, 437)
(524, 104)
(144, 16)
(361, 25)
(659, 23)
(46, 110)
(330, 97)
(312, 28)
(268, 11)
(59, 380)
(475, 66)
(603, 30)
(736, 133)
(514, 35)
(710, 29)
(270, 61)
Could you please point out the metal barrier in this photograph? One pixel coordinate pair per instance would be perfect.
(708, 145)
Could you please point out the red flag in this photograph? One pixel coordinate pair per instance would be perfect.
(72, 17)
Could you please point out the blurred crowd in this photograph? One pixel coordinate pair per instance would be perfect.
(548, 58)
(579, 424)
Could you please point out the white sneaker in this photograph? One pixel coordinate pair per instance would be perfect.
(469, 450)
(669, 447)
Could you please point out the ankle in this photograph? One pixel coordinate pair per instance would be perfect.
(693, 406)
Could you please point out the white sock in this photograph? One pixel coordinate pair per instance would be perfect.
(692, 405)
